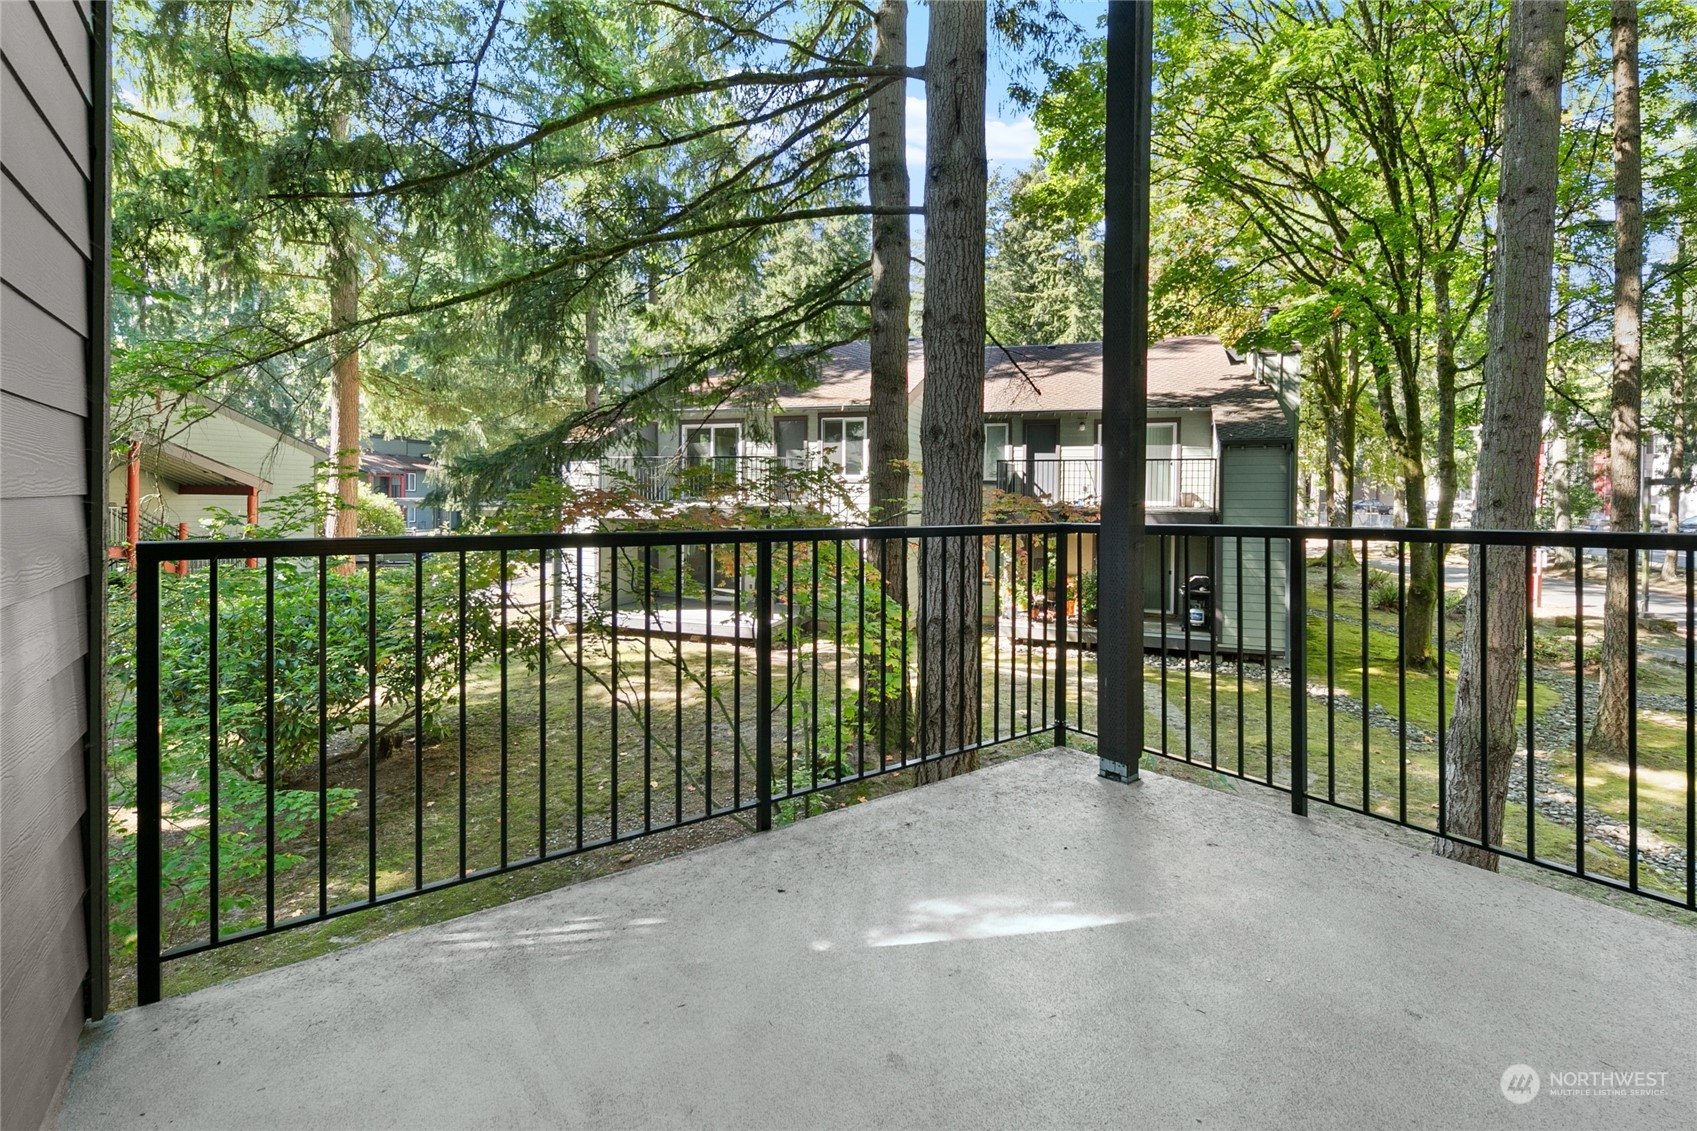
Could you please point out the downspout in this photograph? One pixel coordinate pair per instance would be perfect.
(96, 380)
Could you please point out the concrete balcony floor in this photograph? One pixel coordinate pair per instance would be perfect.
(1025, 946)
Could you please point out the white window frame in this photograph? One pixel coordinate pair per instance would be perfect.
(710, 427)
(995, 454)
(412, 483)
(1153, 494)
(836, 452)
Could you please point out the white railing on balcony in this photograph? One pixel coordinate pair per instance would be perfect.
(1176, 484)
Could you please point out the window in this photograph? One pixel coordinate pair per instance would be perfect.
(712, 445)
(412, 482)
(790, 436)
(844, 441)
(1161, 479)
(995, 449)
(412, 518)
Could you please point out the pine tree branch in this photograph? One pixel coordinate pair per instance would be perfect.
(601, 110)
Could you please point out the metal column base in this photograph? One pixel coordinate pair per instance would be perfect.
(1115, 771)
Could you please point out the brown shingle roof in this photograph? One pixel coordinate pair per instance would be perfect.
(1192, 372)
(845, 378)
(1195, 372)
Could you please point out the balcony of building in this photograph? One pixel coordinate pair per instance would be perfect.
(1188, 484)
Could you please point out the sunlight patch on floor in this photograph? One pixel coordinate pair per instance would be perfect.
(986, 917)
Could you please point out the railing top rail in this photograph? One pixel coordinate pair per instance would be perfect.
(1466, 536)
(225, 550)
(230, 549)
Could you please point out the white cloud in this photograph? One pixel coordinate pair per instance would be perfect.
(1013, 142)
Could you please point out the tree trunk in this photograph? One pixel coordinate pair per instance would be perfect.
(1558, 484)
(1444, 366)
(1351, 432)
(1676, 393)
(1405, 432)
(344, 346)
(1626, 392)
(1334, 384)
(886, 425)
(952, 420)
(1481, 743)
(1558, 476)
(591, 356)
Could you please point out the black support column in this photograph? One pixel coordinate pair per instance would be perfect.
(1125, 353)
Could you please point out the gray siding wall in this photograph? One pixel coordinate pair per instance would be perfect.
(48, 256)
(1254, 491)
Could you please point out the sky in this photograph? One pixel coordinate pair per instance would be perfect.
(1010, 139)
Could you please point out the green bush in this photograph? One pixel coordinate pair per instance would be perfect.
(1382, 593)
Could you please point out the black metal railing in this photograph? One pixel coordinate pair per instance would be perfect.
(1181, 484)
(1337, 682)
(317, 734)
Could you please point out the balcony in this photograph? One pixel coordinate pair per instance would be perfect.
(1025, 945)
(674, 479)
(497, 703)
(1169, 484)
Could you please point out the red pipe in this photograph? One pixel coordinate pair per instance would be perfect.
(253, 518)
(132, 512)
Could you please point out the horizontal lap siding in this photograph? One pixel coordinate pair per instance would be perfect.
(1254, 491)
(46, 250)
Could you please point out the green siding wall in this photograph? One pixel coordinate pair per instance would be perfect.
(1254, 491)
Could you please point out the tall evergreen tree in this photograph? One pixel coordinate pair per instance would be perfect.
(952, 418)
(1626, 397)
(1480, 751)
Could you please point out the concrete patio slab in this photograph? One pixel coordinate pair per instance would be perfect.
(1028, 946)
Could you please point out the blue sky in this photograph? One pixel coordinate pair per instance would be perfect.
(1010, 140)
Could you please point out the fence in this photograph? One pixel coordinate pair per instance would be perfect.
(1184, 484)
(1359, 712)
(666, 479)
(345, 723)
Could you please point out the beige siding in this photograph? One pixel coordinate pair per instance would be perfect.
(1253, 492)
(48, 260)
(227, 438)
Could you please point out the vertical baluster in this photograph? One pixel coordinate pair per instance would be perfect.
(418, 721)
(1296, 652)
(1531, 733)
(545, 637)
(270, 742)
(1060, 638)
(506, 599)
(1632, 717)
(212, 735)
(763, 684)
(149, 804)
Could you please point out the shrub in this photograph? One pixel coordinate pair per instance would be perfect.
(1382, 590)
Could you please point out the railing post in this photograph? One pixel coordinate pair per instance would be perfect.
(763, 684)
(147, 783)
(1060, 599)
(1296, 657)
